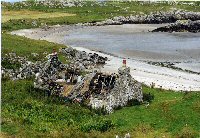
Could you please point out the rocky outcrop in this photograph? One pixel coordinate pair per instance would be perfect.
(83, 60)
(152, 18)
(49, 74)
(171, 65)
(16, 67)
(181, 26)
(177, 18)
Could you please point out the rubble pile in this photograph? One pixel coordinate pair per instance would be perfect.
(80, 92)
(93, 84)
(152, 18)
(96, 90)
(16, 67)
(125, 89)
(102, 82)
(181, 26)
(107, 91)
(48, 75)
(82, 60)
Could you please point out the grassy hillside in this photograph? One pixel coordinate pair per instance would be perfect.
(23, 46)
(25, 14)
(27, 112)
(89, 12)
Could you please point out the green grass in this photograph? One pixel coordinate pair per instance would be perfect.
(89, 13)
(26, 111)
(23, 46)
(169, 110)
(24, 14)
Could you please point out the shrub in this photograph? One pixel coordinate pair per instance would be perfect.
(148, 97)
(9, 65)
(133, 102)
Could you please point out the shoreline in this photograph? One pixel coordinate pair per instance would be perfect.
(164, 78)
(147, 74)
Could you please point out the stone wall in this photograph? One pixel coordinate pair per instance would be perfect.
(95, 89)
(125, 89)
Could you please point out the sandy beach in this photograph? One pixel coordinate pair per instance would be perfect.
(163, 77)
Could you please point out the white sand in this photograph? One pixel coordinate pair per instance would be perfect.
(145, 73)
(193, 66)
(142, 72)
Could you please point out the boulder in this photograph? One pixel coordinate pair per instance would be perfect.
(181, 26)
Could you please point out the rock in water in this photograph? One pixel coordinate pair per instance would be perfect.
(181, 26)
